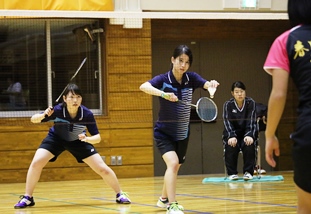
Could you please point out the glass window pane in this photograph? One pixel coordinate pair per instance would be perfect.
(23, 61)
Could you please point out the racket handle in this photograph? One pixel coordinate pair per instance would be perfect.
(51, 109)
(186, 103)
(181, 102)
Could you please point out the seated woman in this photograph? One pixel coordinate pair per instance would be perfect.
(240, 132)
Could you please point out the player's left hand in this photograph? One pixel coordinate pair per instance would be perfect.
(82, 137)
(248, 140)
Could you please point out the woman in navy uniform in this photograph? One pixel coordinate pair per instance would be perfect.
(71, 121)
(171, 131)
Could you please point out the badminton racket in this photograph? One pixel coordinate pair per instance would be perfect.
(74, 75)
(205, 107)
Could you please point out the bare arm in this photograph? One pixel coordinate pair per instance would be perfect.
(37, 118)
(92, 139)
(149, 89)
(275, 110)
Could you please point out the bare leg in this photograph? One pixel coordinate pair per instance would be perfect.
(170, 176)
(304, 199)
(101, 168)
(41, 158)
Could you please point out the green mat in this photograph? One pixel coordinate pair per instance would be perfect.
(263, 178)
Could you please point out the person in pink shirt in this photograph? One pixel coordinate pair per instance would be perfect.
(290, 56)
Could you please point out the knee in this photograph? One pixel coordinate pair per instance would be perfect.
(174, 165)
(103, 170)
(37, 164)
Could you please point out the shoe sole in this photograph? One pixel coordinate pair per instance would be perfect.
(247, 179)
(161, 205)
(23, 207)
(234, 179)
(123, 202)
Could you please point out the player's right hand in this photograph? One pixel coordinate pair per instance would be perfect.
(49, 111)
(232, 141)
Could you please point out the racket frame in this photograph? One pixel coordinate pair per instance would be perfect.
(197, 107)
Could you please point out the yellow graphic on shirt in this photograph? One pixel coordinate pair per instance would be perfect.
(299, 49)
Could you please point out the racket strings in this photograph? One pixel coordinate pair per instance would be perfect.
(206, 109)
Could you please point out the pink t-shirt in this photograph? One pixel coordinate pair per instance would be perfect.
(277, 56)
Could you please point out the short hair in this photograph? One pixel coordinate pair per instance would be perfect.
(183, 49)
(238, 84)
(299, 12)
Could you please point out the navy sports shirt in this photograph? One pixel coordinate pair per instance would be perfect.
(173, 118)
(67, 128)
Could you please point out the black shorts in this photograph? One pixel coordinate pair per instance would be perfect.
(80, 150)
(180, 147)
(301, 153)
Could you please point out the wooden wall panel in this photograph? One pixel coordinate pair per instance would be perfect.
(133, 81)
(131, 117)
(129, 47)
(21, 140)
(76, 173)
(131, 137)
(130, 155)
(129, 101)
(142, 65)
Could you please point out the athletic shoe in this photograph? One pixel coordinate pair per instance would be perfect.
(162, 203)
(233, 177)
(123, 198)
(26, 201)
(247, 176)
(261, 171)
(174, 208)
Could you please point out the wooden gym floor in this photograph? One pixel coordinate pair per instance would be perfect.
(94, 197)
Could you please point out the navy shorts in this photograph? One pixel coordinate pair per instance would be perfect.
(301, 156)
(180, 147)
(79, 149)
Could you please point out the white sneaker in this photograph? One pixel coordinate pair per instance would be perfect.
(261, 171)
(247, 176)
(162, 203)
(233, 177)
(174, 208)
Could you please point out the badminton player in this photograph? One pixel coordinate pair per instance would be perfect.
(290, 56)
(171, 131)
(71, 120)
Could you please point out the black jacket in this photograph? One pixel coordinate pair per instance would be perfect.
(242, 122)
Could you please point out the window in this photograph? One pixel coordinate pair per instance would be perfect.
(42, 56)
